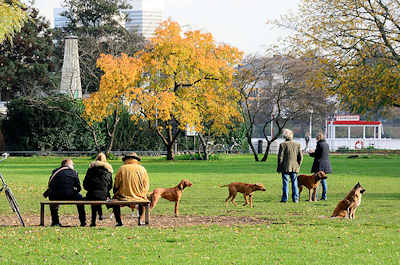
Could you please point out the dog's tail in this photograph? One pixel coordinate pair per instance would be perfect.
(324, 217)
(221, 186)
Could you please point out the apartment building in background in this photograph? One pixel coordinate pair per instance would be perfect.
(144, 16)
(59, 21)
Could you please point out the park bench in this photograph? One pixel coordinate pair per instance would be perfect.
(146, 205)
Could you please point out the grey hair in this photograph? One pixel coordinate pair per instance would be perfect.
(287, 134)
(320, 136)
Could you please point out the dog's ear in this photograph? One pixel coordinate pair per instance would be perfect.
(181, 185)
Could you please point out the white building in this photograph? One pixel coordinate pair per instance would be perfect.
(145, 16)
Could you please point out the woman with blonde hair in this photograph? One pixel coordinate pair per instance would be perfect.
(98, 183)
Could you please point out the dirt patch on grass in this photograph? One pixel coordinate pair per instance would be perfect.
(160, 221)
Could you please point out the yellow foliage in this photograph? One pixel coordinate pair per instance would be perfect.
(12, 17)
(180, 77)
(119, 80)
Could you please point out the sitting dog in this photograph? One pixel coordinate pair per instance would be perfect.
(348, 206)
(246, 189)
(172, 194)
(310, 182)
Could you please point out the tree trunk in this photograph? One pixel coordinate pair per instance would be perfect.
(170, 151)
(204, 153)
(265, 157)
(253, 150)
(168, 139)
(111, 135)
(94, 136)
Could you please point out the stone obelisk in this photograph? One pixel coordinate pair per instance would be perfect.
(71, 74)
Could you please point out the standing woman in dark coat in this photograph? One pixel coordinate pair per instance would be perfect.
(321, 161)
(98, 183)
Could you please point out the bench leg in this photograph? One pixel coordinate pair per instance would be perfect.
(147, 214)
(41, 214)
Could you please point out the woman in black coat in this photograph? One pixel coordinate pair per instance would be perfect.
(98, 183)
(321, 161)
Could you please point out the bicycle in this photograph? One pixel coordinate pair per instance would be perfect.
(9, 195)
(235, 148)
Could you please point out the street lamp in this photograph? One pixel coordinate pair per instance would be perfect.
(311, 113)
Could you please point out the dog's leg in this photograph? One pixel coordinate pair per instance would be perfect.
(352, 212)
(309, 195)
(348, 213)
(154, 199)
(227, 200)
(245, 199)
(300, 190)
(176, 208)
(233, 198)
(133, 211)
(314, 195)
(251, 200)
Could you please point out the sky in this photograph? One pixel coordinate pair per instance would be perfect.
(240, 23)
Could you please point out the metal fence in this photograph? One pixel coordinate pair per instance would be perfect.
(81, 153)
(334, 144)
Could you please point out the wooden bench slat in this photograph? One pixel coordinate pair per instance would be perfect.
(95, 202)
(146, 205)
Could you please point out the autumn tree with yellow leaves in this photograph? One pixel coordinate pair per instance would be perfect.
(12, 17)
(358, 45)
(178, 80)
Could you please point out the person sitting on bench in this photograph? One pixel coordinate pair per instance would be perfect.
(64, 184)
(98, 183)
(131, 183)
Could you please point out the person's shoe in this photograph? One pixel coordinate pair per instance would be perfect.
(101, 217)
(55, 224)
(296, 201)
(283, 201)
(92, 224)
(323, 199)
(83, 224)
(119, 224)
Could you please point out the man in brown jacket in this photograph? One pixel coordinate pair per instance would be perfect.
(131, 183)
(290, 158)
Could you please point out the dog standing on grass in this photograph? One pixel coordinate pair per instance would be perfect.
(246, 189)
(310, 182)
(348, 206)
(172, 194)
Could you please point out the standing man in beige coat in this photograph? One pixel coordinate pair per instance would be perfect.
(290, 158)
(131, 183)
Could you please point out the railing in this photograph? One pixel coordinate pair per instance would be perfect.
(81, 153)
(335, 144)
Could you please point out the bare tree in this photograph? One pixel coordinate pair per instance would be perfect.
(275, 90)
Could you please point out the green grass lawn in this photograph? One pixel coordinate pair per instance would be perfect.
(293, 234)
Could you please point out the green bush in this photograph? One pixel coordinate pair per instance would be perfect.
(196, 156)
(40, 125)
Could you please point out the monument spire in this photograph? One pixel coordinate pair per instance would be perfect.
(70, 74)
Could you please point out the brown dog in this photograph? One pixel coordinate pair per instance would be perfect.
(310, 182)
(172, 194)
(348, 206)
(246, 189)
